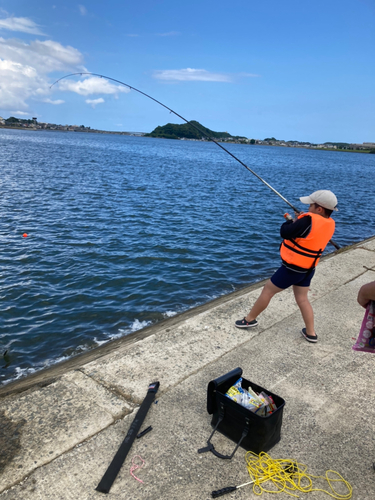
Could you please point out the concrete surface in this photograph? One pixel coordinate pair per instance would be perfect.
(60, 428)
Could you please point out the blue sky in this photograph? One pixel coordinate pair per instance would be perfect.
(293, 70)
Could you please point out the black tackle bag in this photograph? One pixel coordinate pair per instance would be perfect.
(247, 429)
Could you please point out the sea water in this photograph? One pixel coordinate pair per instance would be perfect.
(125, 231)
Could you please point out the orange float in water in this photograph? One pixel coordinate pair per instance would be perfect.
(24, 235)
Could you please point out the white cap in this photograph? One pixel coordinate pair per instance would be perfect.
(324, 198)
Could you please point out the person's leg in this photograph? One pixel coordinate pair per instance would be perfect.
(282, 279)
(300, 294)
(269, 290)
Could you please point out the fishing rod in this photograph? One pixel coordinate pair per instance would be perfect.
(192, 125)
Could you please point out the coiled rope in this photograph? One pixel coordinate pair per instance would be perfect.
(289, 476)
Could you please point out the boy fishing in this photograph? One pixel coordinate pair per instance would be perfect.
(304, 240)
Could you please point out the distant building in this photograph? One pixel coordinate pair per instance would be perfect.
(2, 121)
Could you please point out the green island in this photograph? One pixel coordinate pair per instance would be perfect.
(190, 133)
(187, 132)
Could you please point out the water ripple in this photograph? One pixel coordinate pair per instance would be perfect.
(124, 231)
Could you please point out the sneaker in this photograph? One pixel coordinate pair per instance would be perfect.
(309, 338)
(242, 323)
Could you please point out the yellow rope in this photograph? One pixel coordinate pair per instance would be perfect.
(289, 476)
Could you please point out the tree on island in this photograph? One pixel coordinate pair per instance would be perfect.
(186, 131)
(12, 119)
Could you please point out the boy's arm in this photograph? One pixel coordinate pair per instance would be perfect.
(366, 293)
(299, 228)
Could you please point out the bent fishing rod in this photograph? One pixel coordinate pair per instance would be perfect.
(192, 125)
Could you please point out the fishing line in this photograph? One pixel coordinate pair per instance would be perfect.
(288, 476)
(192, 125)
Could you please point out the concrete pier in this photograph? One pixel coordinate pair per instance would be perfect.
(60, 428)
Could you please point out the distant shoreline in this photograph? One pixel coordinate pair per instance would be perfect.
(144, 134)
(367, 151)
(87, 131)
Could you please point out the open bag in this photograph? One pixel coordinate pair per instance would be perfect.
(248, 430)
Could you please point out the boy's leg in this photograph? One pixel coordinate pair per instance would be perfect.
(300, 294)
(269, 290)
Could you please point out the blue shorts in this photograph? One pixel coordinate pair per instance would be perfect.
(284, 278)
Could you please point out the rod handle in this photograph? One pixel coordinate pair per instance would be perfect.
(223, 491)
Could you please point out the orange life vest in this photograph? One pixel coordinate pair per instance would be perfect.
(305, 253)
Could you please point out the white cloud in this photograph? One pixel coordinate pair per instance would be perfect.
(22, 113)
(191, 75)
(82, 10)
(94, 102)
(92, 85)
(17, 83)
(44, 56)
(57, 101)
(24, 69)
(20, 24)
